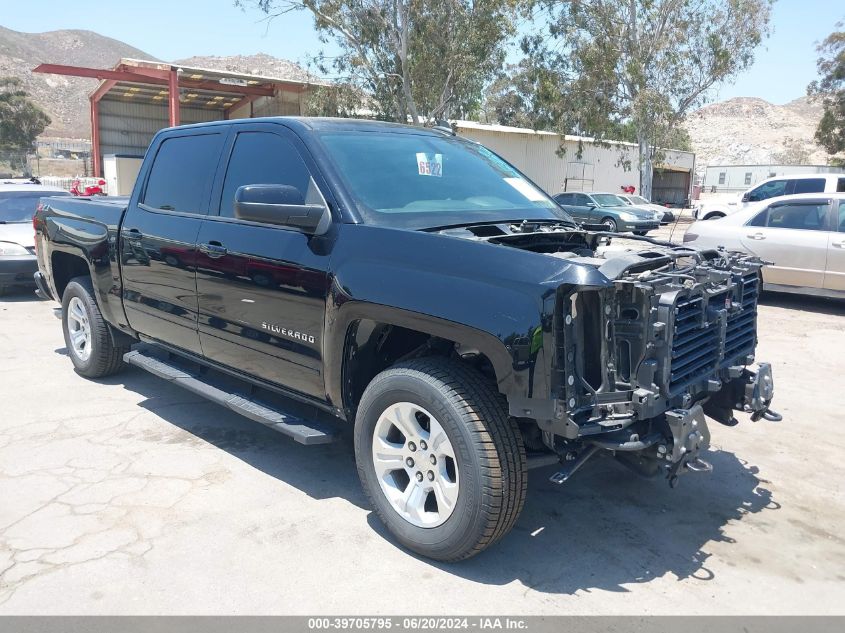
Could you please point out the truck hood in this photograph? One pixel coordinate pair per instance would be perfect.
(18, 233)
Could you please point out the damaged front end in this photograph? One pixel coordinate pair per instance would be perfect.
(638, 365)
(640, 362)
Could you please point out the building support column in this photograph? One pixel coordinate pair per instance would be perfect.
(95, 137)
(173, 96)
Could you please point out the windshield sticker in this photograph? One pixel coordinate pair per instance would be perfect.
(430, 164)
(526, 189)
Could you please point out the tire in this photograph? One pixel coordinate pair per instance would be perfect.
(641, 233)
(610, 223)
(97, 356)
(488, 467)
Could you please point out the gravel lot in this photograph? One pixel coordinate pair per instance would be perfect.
(131, 496)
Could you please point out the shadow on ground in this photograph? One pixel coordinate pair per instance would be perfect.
(803, 303)
(605, 529)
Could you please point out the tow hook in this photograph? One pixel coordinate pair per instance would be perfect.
(690, 435)
(759, 393)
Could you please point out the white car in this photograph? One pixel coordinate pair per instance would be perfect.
(776, 187)
(18, 199)
(664, 215)
(801, 237)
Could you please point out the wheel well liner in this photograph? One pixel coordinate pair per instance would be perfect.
(66, 266)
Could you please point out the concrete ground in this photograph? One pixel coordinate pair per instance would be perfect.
(131, 496)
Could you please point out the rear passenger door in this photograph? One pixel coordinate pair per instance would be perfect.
(262, 288)
(159, 234)
(834, 276)
(793, 236)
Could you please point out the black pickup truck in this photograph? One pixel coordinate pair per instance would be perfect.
(415, 284)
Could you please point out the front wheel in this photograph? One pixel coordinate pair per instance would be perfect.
(87, 338)
(609, 224)
(439, 459)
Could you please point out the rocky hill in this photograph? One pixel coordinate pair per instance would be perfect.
(65, 99)
(748, 131)
(259, 64)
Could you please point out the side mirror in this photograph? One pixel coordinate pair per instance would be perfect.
(281, 205)
(746, 197)
(592, 205)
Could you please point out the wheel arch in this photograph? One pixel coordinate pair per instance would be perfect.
(371, 338)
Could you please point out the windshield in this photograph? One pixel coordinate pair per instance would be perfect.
(638, 200)
(608, 200)
(422, 181)
(19, 206)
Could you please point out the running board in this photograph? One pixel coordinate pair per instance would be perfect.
(302, 431)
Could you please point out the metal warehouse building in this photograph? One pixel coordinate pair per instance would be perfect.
(600, 167)
(137, 98)
(738, 178)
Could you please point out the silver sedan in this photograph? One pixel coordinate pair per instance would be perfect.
(801, 237)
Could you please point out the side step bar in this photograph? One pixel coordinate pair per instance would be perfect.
(302, 431)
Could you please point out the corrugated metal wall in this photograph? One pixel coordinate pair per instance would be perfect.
(598, 168)
(128, 128)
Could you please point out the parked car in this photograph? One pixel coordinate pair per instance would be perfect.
(801, 236)
(664, 215)
(423, 290)
(18, 200)
(607, 209)
(770, 188)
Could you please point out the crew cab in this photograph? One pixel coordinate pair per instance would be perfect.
(417, 286)
(769, 189)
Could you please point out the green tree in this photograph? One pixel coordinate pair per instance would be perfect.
(830, 88)
(416, 60)
(21, 121)
(642, 62)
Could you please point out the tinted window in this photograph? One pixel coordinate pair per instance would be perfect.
(19, 206)
(809, 217)
(182, 173)
(582, 199)
(261, 158)
(565, 198)
(842, 216)
(840, 185)
(759, 219)
(767, 190)
(809, 185)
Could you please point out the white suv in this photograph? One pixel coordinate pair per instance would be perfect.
(771, 188)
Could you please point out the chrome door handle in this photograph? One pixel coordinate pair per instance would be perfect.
(756, 236)
(213, 249)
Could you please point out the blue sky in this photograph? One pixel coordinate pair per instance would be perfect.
(173, 29)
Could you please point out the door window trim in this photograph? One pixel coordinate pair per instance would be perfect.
(226, 157)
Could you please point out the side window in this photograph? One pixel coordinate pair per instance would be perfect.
(262, 158)
(582, 200)
(182, 173)
(840, 185)
(842, 216)
(759, 219)
(809, 185)
(564, 198)
(808, 217)
(767, 190)
(748, 178)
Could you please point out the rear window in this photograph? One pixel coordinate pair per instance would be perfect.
(19, 206)
(182, 173)
(809, 185)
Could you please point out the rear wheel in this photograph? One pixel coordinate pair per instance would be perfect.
(87, 338)
(439, 458)
(609, 224)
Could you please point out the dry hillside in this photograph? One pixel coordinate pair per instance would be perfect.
(259, 64)
(748, 131)
(65, 99)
